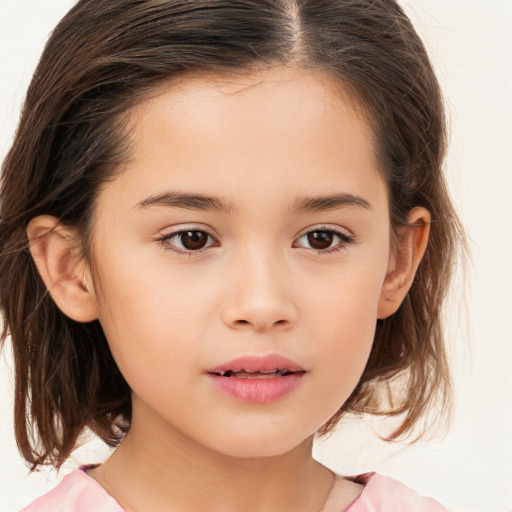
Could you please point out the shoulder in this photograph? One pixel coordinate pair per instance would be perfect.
(384, 494)
(77, 492)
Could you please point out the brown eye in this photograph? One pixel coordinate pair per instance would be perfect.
(324, 240)
(320, 239)
(193, 240)
(188, 241)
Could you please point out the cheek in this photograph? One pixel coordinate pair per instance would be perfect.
(347, 298)
(348, 331)
(342, 338)
(344, 316)
(136, 313)
(154, 317)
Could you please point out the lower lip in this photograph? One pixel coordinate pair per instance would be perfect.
(257, 391)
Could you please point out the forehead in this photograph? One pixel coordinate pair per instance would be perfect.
(275, 98)
(268, 132)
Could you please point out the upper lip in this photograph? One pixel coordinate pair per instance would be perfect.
(258, 363)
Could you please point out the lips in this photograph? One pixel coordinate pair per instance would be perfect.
(257, 379)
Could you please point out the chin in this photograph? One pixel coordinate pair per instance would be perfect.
(257, 451)
(264, 443)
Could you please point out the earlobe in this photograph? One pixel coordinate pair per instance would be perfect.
(55, 250)
(404, 262)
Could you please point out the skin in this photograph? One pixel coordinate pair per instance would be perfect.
(260, 145)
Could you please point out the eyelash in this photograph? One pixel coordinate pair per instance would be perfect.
(344, 240)
(165, 241)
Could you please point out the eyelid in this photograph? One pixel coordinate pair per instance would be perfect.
(343, 232)
(167, 234)
(188, 226)
(346, 236)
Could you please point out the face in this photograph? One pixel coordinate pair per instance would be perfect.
(241, 255)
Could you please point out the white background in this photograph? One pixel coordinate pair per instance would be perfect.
(470, 470)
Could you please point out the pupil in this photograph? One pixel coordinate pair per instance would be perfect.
(320, 239)
(194, 240)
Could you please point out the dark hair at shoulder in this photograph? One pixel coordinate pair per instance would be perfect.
(103, 58)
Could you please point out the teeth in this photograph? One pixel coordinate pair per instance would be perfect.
(260, 374)
(254, 375)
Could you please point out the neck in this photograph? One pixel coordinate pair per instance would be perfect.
(160, 469)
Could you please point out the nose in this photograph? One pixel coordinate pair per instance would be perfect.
(259, 298)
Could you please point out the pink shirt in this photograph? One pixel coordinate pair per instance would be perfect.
(78, 492)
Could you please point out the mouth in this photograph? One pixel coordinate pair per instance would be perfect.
(257, 379)
(267, 366)
(259, 374)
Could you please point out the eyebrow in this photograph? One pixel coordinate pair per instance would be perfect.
(329, 202)
(188, 201)
(174, 199)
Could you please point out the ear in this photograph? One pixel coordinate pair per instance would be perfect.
(404, 262)
(56, 252)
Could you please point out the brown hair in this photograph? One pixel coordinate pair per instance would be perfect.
(107, 55)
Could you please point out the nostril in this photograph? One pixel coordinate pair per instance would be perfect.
(247, 322)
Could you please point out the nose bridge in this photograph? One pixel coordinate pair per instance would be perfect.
(259, 297)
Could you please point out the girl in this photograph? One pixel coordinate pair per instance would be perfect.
(238, 232)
